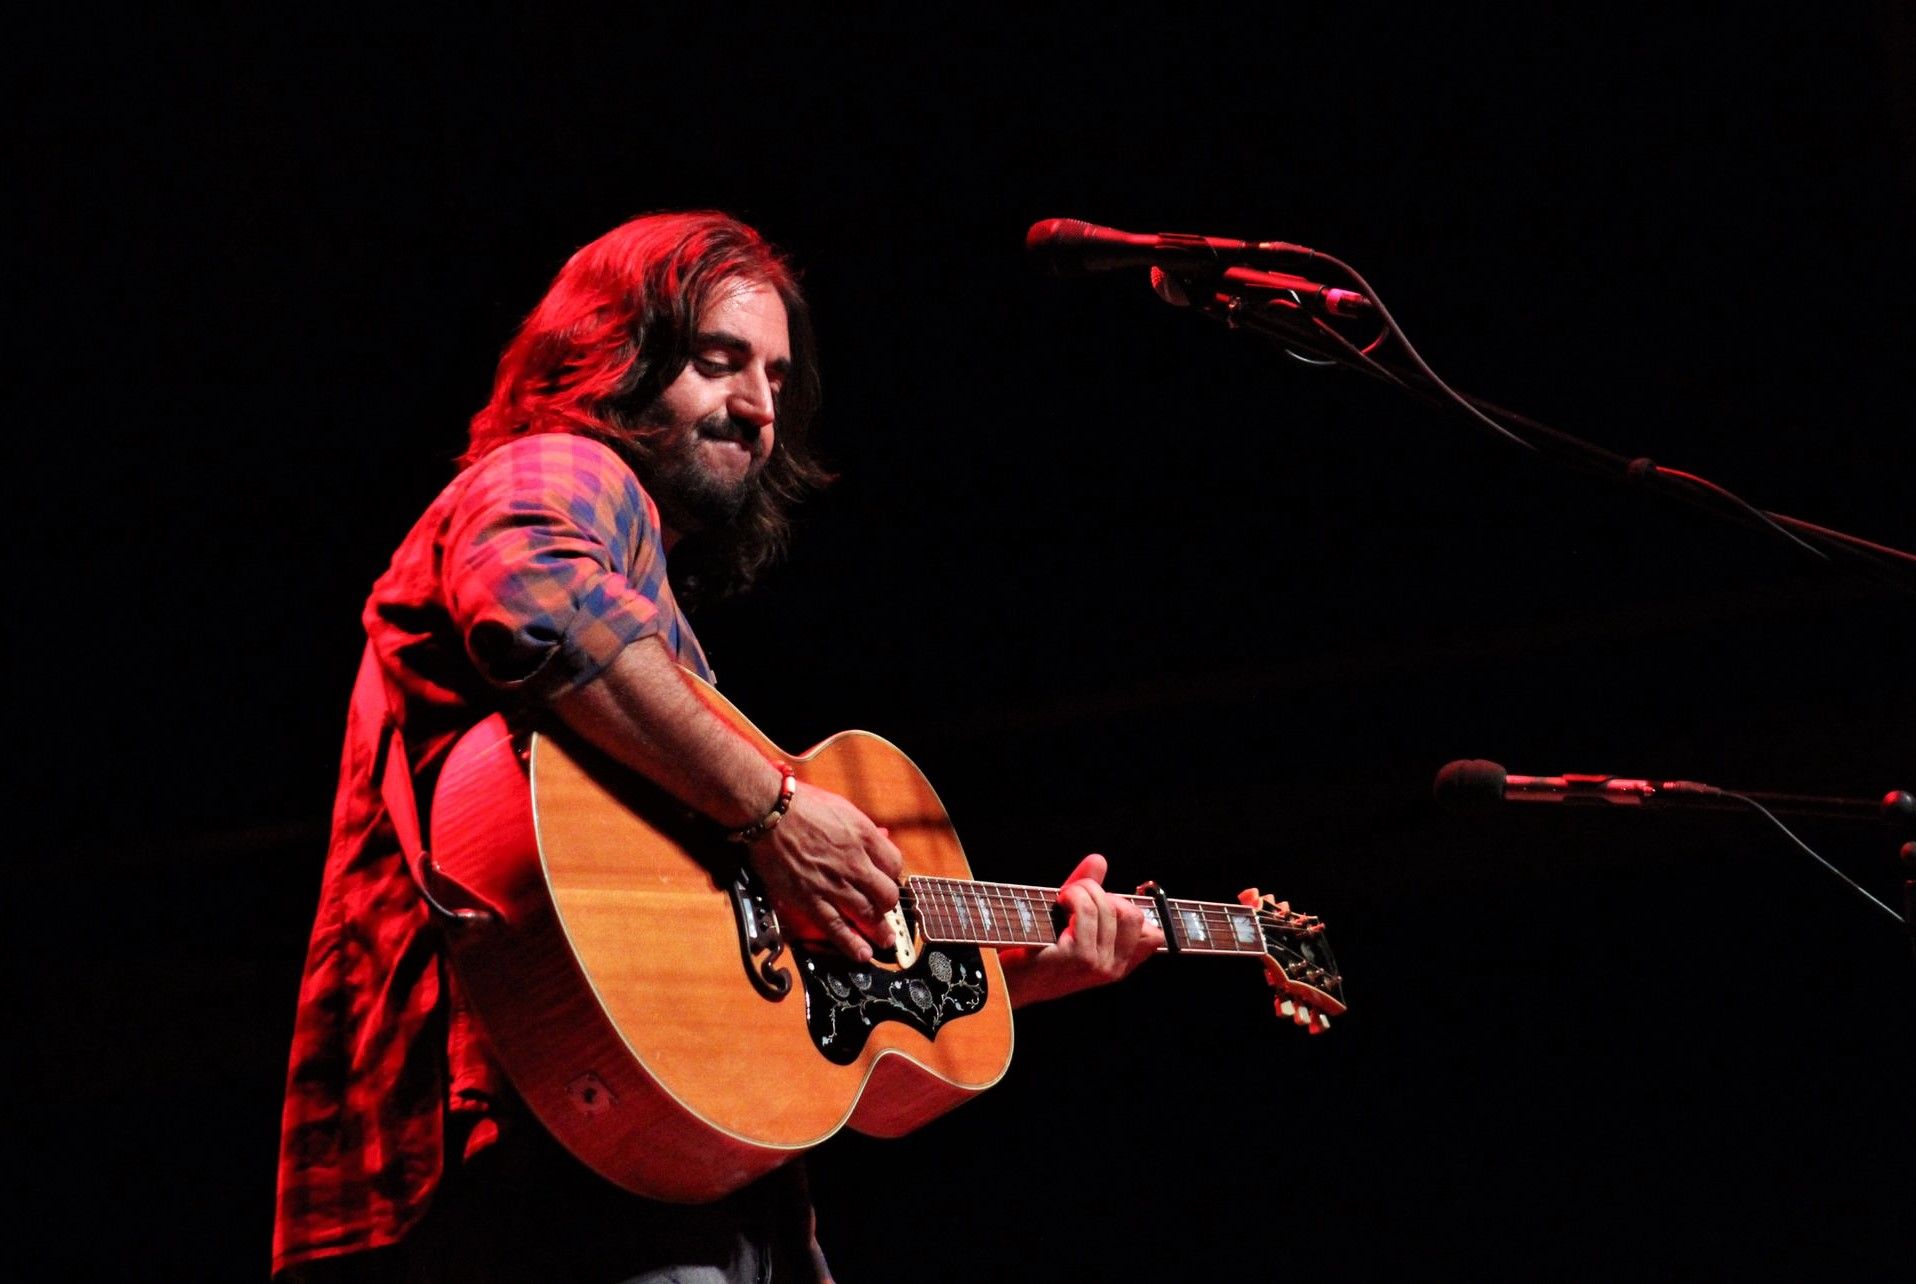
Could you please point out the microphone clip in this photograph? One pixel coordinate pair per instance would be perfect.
(1231, 289)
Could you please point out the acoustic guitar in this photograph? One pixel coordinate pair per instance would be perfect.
(633, 981)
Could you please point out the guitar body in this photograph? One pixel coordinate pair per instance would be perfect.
(613, 986)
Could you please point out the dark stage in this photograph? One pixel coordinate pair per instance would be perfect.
(1117, 578)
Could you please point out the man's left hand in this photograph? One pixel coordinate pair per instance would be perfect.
(1106, 939)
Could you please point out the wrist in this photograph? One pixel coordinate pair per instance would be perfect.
(768, 821)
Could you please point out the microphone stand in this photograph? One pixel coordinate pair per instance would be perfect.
(1313, 340)
(1908, 856)
(1284, 324)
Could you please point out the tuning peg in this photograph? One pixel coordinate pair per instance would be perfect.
(1249, 896)
(1319, 1023)
(1286, 1008)
(1301, 1015)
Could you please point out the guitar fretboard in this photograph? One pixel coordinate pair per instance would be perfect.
(1008, 914)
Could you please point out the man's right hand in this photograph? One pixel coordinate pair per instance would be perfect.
(831, 872)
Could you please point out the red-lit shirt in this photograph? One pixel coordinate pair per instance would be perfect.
(526, 576)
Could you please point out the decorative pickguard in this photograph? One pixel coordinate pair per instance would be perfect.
(846, 1001)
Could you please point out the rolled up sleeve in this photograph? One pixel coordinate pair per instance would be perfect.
(548, 557)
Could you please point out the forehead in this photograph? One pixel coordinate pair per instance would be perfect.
(750, 313)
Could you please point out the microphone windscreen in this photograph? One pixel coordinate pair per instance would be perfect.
(1470, 784)
(1059, 243)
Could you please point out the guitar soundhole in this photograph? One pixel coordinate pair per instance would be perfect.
(846, 1001)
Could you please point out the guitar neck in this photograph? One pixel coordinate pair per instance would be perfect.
(958, 911)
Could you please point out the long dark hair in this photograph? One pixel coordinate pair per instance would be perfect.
(615, 328)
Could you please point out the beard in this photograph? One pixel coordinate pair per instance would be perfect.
(691, 496)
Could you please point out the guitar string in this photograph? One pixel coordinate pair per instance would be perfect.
(933, 934)
(1016, 891)
(945, 893)
(1331, 990)
(1212, 912)
(944, 897)
(935, 927)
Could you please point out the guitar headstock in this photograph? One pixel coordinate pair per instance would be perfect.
(1297, 962)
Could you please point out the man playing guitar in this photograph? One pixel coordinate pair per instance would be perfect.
(655, 404)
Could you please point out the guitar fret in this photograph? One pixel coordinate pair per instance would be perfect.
(1037, 925)
(1027, 914)
(942, 910)
(1191, 920)
(1039, 929)
(954, 919)
(936, 914)
(1027, 919)
(1237, 929)
(1217, 929)
(1011, 924)
(919, 890)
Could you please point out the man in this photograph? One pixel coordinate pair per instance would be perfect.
(656, 403)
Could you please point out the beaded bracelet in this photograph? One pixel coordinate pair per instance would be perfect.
(769, 821)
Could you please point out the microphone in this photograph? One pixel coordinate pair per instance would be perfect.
(1072, 247)
(1474, 785)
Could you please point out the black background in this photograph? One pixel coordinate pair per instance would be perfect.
(1118, 579)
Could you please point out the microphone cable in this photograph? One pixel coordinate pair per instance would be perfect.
(1649, 469)
(1877, 558)
(1410, 349)
(1853, 885)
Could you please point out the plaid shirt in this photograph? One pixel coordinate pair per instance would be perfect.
(528, 574)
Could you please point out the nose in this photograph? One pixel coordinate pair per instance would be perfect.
(754, 403)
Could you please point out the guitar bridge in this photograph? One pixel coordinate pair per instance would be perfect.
(759, 940)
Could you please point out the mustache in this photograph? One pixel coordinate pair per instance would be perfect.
(723, 427)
